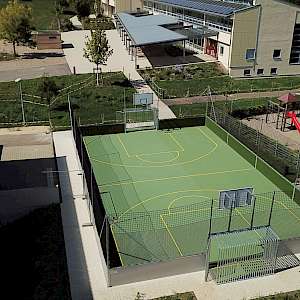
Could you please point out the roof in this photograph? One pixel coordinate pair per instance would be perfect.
(288, 98)
(195, 33)
(215, 7)
(47, 32)
(147, 30)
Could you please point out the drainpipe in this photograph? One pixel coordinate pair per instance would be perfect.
(257, 37)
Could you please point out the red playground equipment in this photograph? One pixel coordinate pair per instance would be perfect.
(295, 121)
(287, 108)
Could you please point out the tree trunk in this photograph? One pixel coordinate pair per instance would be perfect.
(49, 117)
(58, 23)
(14, 47)
(97, 75)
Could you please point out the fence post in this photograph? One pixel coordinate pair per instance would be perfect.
(271, 210)
(253, 212)
(297, 175)
(230, 216)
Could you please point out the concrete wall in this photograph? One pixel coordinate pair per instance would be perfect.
(150, 271)
(276, 32)
(267, 27)
(115, 6)
(17, 203)
(128, 5)
(244, 36)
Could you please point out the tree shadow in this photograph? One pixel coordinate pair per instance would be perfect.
(38, 55)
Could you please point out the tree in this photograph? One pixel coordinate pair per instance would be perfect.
(48, 89)
(15, 23)
(58, 13)
(83, 8)
(97, 49)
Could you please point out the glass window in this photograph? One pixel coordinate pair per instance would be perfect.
(260, 71)
(250, 54)
(221, 50)
(247, 72)
(273, 71)
(277, 54)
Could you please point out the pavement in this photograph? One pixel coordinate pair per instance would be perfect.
(34, 72)
(120, 61)
(86, 266)
(32, 63)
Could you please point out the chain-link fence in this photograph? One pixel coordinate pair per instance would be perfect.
(262, 148)
(162, 235)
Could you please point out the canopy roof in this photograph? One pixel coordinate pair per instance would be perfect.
(288, 98)
(146, 30)
(196, 33)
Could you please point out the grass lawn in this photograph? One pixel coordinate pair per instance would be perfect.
(194, 79)
(33, 256)
(43, 13)
(181, 296)
(93, 104)
(283, 296)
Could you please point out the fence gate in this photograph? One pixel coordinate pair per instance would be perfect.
(242, 254)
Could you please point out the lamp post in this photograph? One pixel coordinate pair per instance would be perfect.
(19, 80)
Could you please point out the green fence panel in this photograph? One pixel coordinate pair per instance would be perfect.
(242, 150)
(275, 177)
(297, 196)
(218, 130)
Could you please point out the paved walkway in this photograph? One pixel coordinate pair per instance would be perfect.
(229, 97)
(120, 61)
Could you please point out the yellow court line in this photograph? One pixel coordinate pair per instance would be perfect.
(163, 195)
(174, 241)
(281, 203)
(182, 197)
(160, 166)
(176, 177)
(290, 211)
(121, 142)
(92, 140)
(117, 246)
(207, 136)
(176, 142)
(157, 162)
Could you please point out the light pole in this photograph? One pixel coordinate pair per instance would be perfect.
(19, 80)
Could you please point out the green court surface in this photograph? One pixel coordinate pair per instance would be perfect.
(157, 188)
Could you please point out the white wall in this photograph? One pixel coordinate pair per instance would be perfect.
(224, 59)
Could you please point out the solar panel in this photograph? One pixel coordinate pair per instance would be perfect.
(211, 6)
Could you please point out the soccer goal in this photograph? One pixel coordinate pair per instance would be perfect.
(143, 115)
(141, 119)
(242, 254)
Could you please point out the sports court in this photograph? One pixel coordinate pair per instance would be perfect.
(161, 187)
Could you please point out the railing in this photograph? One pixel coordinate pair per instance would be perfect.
(192, 20)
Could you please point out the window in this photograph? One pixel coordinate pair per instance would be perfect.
(260, 71)
(273, 71)
(277, 54)
(221, 50)
(247, 72)
(52, 37)
(250, 54)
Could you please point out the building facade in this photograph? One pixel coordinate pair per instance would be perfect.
(112, 7)
(253, 38)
